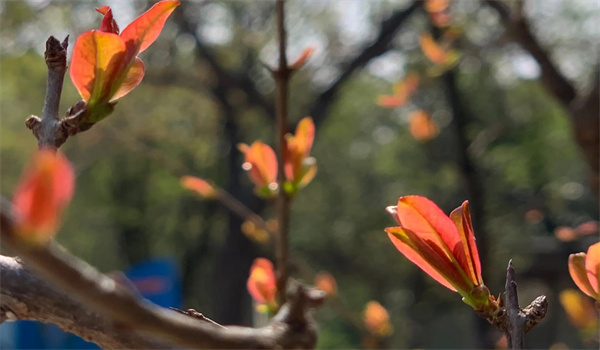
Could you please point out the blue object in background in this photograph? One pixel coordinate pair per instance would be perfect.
(157, 280)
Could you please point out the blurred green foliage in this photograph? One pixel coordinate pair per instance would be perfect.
(129, 204)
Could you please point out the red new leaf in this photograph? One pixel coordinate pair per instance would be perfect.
(44, 191)
(144, 30)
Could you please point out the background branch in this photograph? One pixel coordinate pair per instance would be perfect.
(379, 46)
(584, 110)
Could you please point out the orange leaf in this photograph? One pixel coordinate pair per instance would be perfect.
(433, 6)
(97, 61)
(134, 77)
(303, 58)
(377, 319)
(423, 217)
(261, 163)
(297, 151)
(325, 282)
(579, 274)
(144, 30)
(305, 135)
(389, 101)
(432, 50)
(422, 126)
(200, 186)
(592, 266)
(427, 257)
(402, 92)
(461, 217)
(108, 24)
(44, 191)
(261, 283)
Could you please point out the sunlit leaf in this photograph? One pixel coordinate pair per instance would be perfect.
(306, 53)
(261, 163)
(461, 217)
(261, 283)
(144, 30)
(326, 282)
(44, 191)
(377, 319)
(97, 60)
(134, 77)
(200, 186)
(422, 126)
(108, 24)
(578, 272)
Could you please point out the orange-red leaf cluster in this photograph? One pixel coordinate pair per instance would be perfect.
(44, 191)
(104, 66)
(261, 285)
(444, 247)
(298, 166)
(261, 163)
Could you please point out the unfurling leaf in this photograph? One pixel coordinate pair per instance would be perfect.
(422, 126)
(261, 285)
(377, 320)
(443, 247)
(326, 282)
(261, 164)
(585, 269)
(299, 167)
(303, 58)
(45, 190)
(200, 186)
(104, 66)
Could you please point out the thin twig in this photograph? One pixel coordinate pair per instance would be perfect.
(513, 321)
(282, 75)
(515, 332)
(583, 108)
(379, 45)
(197, 315)
(48, 129)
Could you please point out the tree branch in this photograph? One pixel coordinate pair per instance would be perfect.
(229, 80)
(282, 77)
(25, 297)
(48, 130)
(584, 110)
(293, 326)
(377, 47)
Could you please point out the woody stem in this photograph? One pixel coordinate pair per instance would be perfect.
(281, 76)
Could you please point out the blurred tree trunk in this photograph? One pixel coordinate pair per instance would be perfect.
(129, 188)
(232, 301)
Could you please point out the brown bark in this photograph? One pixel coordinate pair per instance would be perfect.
(292, 327)
(583, 108)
